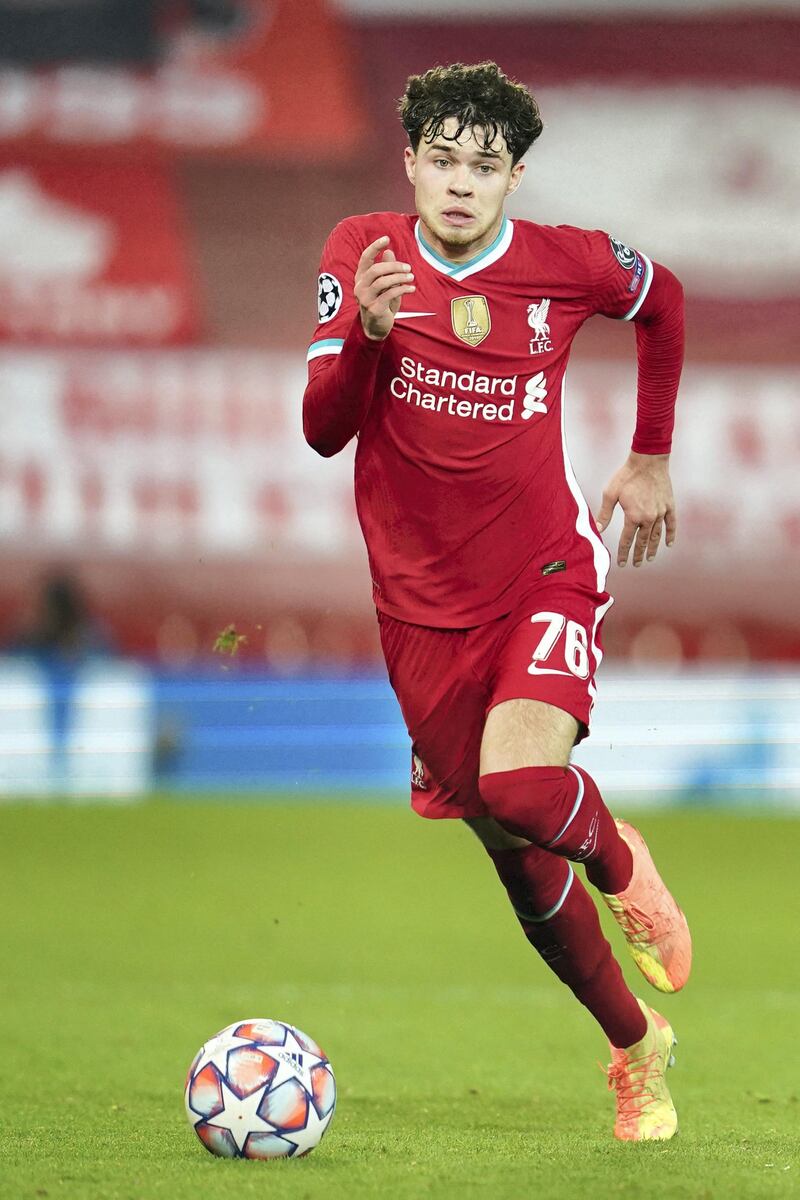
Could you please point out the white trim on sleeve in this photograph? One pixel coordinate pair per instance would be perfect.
(645, 288)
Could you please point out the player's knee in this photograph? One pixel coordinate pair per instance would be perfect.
(527, 802)
(494, 836)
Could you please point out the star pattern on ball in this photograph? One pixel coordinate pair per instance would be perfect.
(216, 1051)
(311, 1134)
(240, 1116)
(294, 1062)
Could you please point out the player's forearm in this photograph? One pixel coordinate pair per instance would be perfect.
(339, 394)
(659, 350)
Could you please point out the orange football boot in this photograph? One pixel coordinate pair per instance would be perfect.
(645, 1111)
(654, 927)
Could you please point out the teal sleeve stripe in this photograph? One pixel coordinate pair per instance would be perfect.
(326, 346)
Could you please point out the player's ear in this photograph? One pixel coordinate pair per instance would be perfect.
(517, 171)
(411, 164)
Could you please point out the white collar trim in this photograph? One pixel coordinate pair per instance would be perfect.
(485, 259)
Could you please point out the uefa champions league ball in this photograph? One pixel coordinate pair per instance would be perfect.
(260, 1089)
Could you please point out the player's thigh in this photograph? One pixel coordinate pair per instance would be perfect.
(543, 685)
(526, 733)
(443, 705)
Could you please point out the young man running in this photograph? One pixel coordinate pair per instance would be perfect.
(442, 343)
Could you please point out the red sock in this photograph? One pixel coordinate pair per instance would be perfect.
(561, 810)
(560, 921)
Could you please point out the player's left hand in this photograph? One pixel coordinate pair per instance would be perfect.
(643, 489)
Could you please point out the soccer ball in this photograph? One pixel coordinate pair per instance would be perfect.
(260, 1089)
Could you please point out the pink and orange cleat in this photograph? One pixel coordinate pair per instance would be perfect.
(645, 1111)
(654, 927)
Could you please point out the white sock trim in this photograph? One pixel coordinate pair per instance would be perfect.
(551, 912)
(575, 808)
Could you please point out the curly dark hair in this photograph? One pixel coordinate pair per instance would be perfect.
(479, 95)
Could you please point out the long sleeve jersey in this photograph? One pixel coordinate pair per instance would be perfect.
(464, 488)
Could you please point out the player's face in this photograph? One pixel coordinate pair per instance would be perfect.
(460, 188)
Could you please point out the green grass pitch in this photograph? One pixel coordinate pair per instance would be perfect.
(131, 934)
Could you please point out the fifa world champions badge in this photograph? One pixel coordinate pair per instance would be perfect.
(471, 319)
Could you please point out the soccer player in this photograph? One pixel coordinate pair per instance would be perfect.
(442, 344)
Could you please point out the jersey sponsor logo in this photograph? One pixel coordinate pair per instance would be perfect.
(537, 319)
(535, 394)
(622, 253)
(471, 319)
(329, 297)
(416, 382)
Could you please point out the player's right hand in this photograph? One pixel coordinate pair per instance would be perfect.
(380, 284)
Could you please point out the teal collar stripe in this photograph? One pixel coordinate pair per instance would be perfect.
(453, 268)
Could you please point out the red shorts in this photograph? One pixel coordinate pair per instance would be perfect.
(447, 680)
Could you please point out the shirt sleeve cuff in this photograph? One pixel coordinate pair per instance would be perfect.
(356, 337)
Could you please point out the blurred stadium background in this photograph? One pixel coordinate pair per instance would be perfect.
(168, 174)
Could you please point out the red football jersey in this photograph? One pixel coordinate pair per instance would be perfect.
(464, 488)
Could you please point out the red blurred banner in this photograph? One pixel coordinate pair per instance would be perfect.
(93, 255)
(180, 480)
(278, 81)
(196, 455)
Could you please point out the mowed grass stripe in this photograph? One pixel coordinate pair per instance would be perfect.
(464, 1068)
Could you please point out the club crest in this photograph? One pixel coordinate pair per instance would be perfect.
(419, 776)
(471, 319)
(537, 319)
